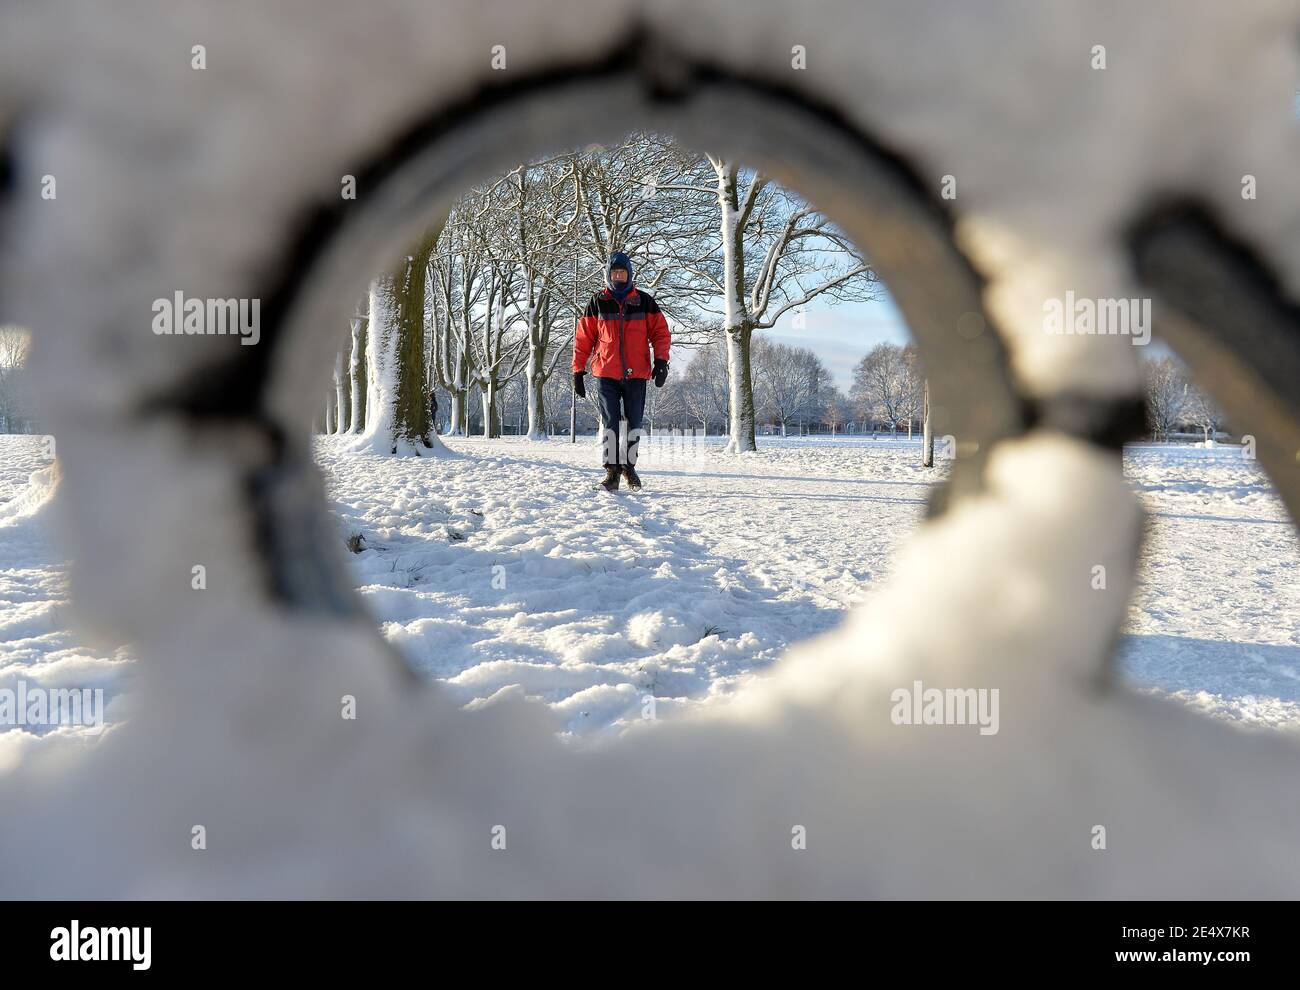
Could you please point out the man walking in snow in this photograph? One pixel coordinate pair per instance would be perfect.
(617, 331)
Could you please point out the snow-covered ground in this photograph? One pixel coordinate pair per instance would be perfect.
(1216, 618)
(502, 570)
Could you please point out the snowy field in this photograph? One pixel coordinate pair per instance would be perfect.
(504, 570)
(500, 569)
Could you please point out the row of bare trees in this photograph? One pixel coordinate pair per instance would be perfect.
(792, 388)
(790, 384)
(889, 387)
(500, 284)
(15, 406)
(1174, 401)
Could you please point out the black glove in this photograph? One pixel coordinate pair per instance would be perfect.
(661, 372)
(579, 386)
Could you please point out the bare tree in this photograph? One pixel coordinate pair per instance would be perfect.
(15, 345)
(1166, 395)
(454, 272)
(1201, 410)
(912, 388)
(836, 408)
(778, 254)
(540, 206)
(498, 349)
(885, 385)
(704, 387)
(790, 381)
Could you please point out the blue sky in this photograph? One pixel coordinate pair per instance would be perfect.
(841, 335)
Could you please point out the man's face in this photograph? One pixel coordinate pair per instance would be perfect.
(618, 276)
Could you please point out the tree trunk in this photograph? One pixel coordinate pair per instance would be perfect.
(411, 408)
(740, 390)
(340, 396)
(535, 384)
(357, 372)
(380, 358)
(455, 416)
(491, 421)
(927, 434)
(398, 407)
(459, 392)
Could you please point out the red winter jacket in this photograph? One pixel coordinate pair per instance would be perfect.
(630, 328)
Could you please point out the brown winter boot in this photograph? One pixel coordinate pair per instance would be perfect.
(633, 479)
(612, 472)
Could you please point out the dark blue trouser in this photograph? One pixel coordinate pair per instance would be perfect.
(611, 393)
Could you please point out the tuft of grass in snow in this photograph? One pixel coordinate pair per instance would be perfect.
(712, 630)
(356, 543)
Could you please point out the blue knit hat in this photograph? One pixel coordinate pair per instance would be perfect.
(619, 260)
